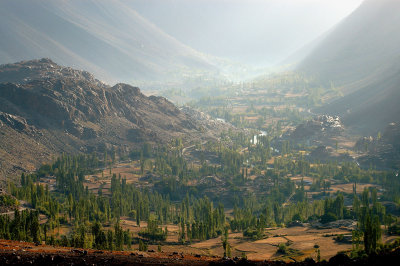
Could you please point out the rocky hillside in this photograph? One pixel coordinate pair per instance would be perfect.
(382, 151)
(46, 109)
(319, 127)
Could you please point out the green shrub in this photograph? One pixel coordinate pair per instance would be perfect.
(254, 234)
(8, 201)
(328, 217)
(282, 248)
(142, 246)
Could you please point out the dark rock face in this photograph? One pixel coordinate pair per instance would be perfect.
(325, 154)
(363, 143)
(384, 152)
(320, 126)
(72, 111)
(16, 122)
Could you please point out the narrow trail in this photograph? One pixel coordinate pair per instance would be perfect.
(191, 146)
(287, 201)
(23, 206)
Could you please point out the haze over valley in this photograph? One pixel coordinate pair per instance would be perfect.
(200, 132)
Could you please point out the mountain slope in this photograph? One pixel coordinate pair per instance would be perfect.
(362, 56)
(107, 38)
(361, 43)
(46, 109)
(373, 104)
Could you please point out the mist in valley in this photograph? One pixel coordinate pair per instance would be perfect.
(197, 132)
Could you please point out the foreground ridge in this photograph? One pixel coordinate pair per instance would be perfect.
(24, 253)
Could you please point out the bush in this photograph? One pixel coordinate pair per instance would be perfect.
(153, 232)
(312, 218)
(132, 214)
(296, 217)
(394, 230)
(45, 170)
(253, 233)
(328, 217)
(8, 201)
(339, 238)
(282, 248)
(244, 256)
(142, 246)
(158, 235)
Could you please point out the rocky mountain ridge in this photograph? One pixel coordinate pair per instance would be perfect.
(57, 109)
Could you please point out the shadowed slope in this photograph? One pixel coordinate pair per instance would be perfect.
(362, 55)
(107, 38)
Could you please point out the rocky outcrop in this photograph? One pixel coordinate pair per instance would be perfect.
(383, 152)
(364, 143)
(68, 110)
(16, 122)
(45, 68)
(206, 121)
(319, 128)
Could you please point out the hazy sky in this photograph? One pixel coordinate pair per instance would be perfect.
(260, 32)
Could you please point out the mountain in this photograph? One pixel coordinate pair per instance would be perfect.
(47, 109)
(361, 55)
(107, 38)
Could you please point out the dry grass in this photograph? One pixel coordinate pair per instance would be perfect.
(348, 188)
(301, 239)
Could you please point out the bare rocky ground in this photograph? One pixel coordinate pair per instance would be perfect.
(22, 253)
